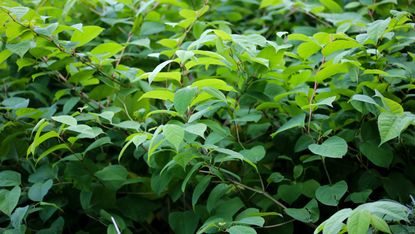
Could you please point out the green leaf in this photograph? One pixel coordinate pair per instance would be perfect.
(5, 54)
(389, 210)
(107, 50)
(10, 178)
(15, 102)
(330, 70)
(215, 195)
(240, 229)
(275, 177)
(98, 143)
(20, 48)
(156, 70)
(184, 55)
(331, 194)
(296, 121)
(332, 6)
(87, 34)
(18, 215)
(112, 173)
(182, 99)
(39, 190)
(46, 31)
(360, 197)
(200, 189)
(174, 134)
(381, 156)
(391, 125)
(19, 12)
(9, 199)
(164, 76)
(308, 214)
(266, 3)
(333, 147)
(339, 45)
(379, 224)
(195, 167)
(364, 98)
(162, 94)
(183, 222)
(137, 139)
(335, 223)
(51, 150)
(65, 119)
(86, 131)
(197, 129)
(144, 42)
(377, 29)
(213, 83)
(358, 222)
(255, 154)
(306, 49)
(250, 216)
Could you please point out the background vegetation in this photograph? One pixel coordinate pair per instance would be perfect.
(272, 116)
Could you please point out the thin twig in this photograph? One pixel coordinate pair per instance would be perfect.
(278, 224)
(264, 193)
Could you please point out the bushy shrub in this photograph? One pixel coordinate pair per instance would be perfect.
(272, 116)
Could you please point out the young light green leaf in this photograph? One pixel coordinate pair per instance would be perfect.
(306, 49)
(162, 94)
(358, 222)
(5, 54)
(379, 224)
(107, 50)
(266, 3)
(214, 83)
(339, 45)
(335, 223)
(332, 6)
(330, 70)
(164, 76)
(156, 70)
(87, 34)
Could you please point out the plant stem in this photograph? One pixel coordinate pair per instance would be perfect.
(325, 169)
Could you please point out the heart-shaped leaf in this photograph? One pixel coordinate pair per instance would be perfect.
(331, 194)
(334, 147)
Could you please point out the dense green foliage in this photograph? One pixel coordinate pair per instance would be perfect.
(157, 116)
